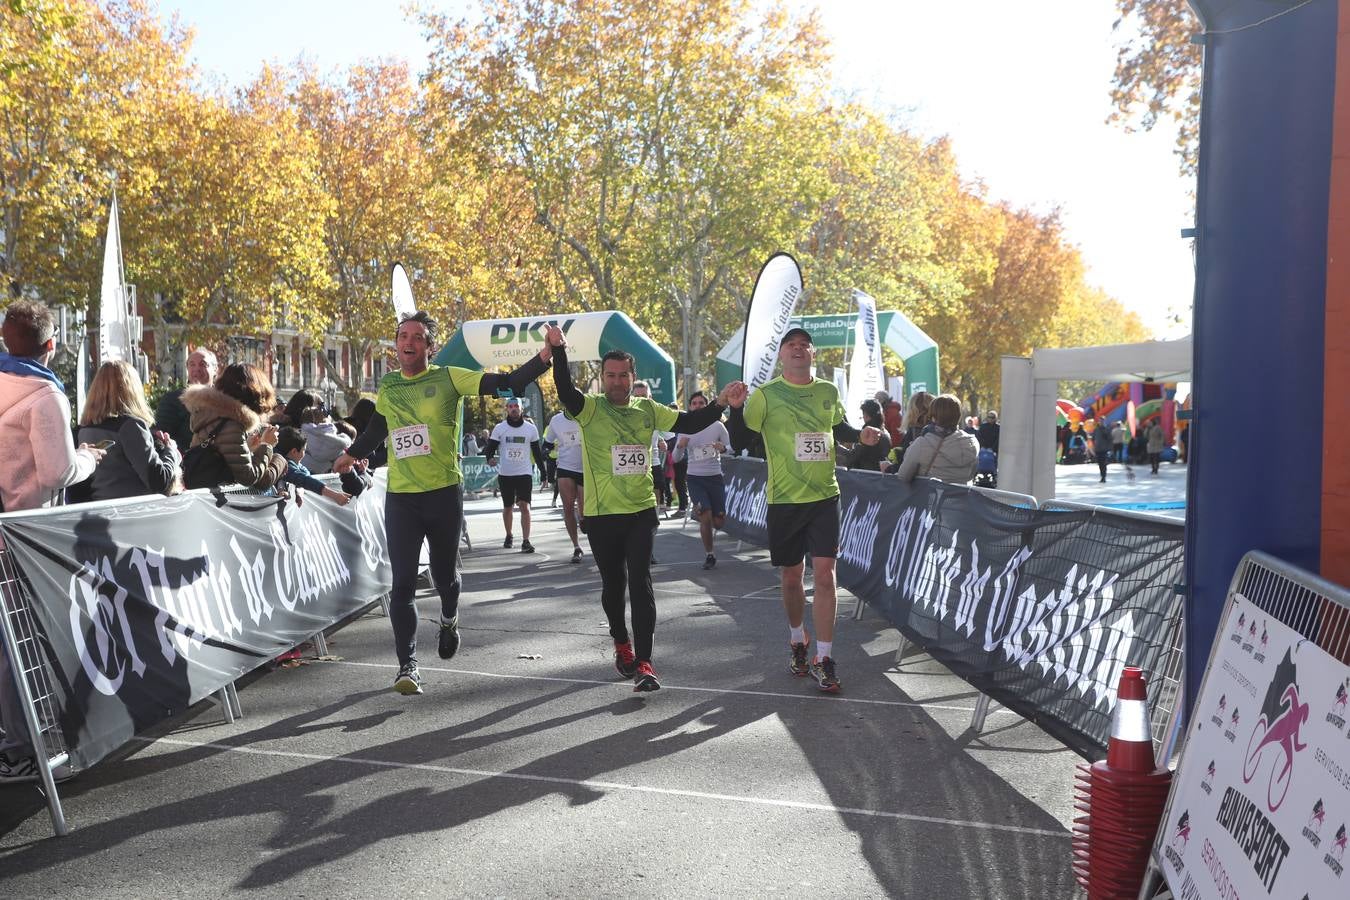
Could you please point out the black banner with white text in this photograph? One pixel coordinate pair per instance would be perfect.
(149, 606)
(1038, 609)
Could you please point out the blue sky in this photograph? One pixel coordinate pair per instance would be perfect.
(1023, 89)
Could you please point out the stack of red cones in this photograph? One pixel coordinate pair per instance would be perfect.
(1120, 801)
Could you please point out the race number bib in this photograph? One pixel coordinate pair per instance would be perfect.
(515, 452)
(706, 451)
(630, 459)
(813, 446)
(411, 440)
(569, 439)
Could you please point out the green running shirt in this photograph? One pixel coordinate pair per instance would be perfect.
(796, 422)
(616, 443)
(423, 418)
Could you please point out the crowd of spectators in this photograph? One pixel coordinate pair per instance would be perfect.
(224, 428)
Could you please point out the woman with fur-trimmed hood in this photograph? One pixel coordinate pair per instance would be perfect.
(233, 411)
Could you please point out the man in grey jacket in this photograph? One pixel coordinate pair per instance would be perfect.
(40, 460)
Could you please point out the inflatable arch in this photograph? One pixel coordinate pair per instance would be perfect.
(918, 350)
(489, 343)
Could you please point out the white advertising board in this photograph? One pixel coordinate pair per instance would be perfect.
(1261, 803)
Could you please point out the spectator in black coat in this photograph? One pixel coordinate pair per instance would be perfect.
(139, 461)
(987, 434)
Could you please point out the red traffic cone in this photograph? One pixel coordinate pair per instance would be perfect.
(1122, 798)
(1130, 747)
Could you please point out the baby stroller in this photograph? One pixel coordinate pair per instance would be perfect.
(986, 468)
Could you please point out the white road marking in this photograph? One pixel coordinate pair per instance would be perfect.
(667, 686)
(611, 786)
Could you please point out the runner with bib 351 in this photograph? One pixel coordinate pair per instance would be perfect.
(800, 418)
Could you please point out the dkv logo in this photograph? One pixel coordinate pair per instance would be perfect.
(526, 332)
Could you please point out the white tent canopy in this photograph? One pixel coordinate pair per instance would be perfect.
(1026, 443)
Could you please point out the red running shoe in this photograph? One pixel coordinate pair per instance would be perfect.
(645, 680)
(624, 659)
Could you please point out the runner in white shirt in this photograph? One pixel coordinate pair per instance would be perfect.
(707, 492)
(517, 439)
(565, 434)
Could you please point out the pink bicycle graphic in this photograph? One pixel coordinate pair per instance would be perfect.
(1282, 733)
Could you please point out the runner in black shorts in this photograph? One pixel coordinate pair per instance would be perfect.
(516, 439)
(565, 435)
(800, 418)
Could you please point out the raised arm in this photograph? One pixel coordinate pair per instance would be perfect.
(571, 398)
(733, 395)
(517, 380)
(846, 433)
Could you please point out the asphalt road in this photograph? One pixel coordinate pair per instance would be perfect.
(548, 777)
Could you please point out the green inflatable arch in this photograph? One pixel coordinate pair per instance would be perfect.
(490, 343)
(918, 350)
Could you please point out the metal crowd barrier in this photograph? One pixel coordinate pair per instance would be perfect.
(1165, 685)
(1165, 697)
(22, 646)
(21, 642)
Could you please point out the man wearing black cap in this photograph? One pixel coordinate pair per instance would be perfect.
(800, 418)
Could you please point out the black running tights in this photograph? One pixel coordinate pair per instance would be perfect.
(436, 517)
(622, 547)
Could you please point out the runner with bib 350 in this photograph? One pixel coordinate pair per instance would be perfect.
(418, 410)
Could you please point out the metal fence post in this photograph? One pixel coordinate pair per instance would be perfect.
(33, 685)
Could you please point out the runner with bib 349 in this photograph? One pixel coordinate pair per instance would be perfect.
(418, 410)
(620, 503)
(800, 418)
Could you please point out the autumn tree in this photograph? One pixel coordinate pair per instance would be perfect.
(1158, 71)
(740, 169)
(658, 142)
(228, 236)
(372, 168)
(74, 76)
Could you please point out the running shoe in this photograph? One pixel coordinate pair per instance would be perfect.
(576, 554)
(822, 670)
(624, 659)
(13, 771)
(506, 544)
(409, 680)
(798, 665)
(645, 678)
(25, 769)
(710, 561)
(526, 547)
(448, 645)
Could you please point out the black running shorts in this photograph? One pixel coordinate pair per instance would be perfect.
(568, 473)
(796, 529)
(515, 489)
